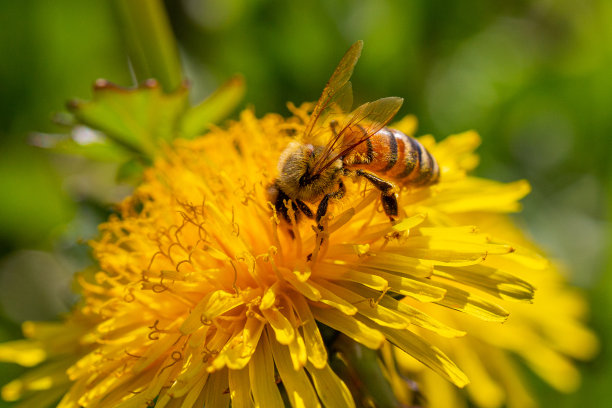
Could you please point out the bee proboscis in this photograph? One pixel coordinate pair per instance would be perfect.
(312, 172)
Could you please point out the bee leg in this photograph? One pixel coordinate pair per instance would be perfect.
(304, 209)
(390, 206)
(322, 209)
(387, 193)
(281, 208)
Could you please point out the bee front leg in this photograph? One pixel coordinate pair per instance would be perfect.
(336, 195)
(304, 208)
(387, 193)
(280, 201)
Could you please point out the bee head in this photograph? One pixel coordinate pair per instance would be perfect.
(295, 168)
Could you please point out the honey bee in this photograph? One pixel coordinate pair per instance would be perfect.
(313, 172)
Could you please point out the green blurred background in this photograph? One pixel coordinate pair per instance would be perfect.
(534, 78)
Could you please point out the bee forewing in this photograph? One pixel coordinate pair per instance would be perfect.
(336, 91)
(371, 116)
(337, 108)
(343, 100)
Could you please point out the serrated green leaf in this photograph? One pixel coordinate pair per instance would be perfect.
(214, 108)
(140, 119)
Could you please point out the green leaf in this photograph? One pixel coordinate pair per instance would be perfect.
(150, 42)
(130, 172)
(105, 152)
(101, 150)
(136, 124)
(214, 108)
(139, 119)
(359, 368)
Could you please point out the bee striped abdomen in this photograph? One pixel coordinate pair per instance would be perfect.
(401, 158)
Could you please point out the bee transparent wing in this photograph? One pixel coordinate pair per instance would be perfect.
(343, 100)
(371, 117)
(338, 106)
(337, 94)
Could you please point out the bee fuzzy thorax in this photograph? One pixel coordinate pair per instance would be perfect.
(296, 180)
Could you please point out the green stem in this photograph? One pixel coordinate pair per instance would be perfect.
(359, 368)
(150, 42)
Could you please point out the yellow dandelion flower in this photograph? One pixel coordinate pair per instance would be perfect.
(210, 292)
(546, 335)
(203, 296)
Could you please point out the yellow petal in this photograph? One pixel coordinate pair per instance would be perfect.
(420, 289)
(427, 354)
(298, 386)
(447, 250)
(297, 351)
(398, 262)
(303, 287)
(212, 305)
(269, 297)
(157, 348)
(553, 367)
(351, 275)
(297, 348)
(239, 349)
(160, 376)
(315, 348)
(472, 304)
(483, 388)
(45, 377)
(505, 368)
(240, 393)
(482, 195)
(445, 395)
(350, 326)
(491, 280)
(285, 332)
(368, 307)
(42, 398)
(413, 315)
(215, 390)
(261, 377)
(27, 353)
(196, 393)
(184, 384)
(329, 298)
